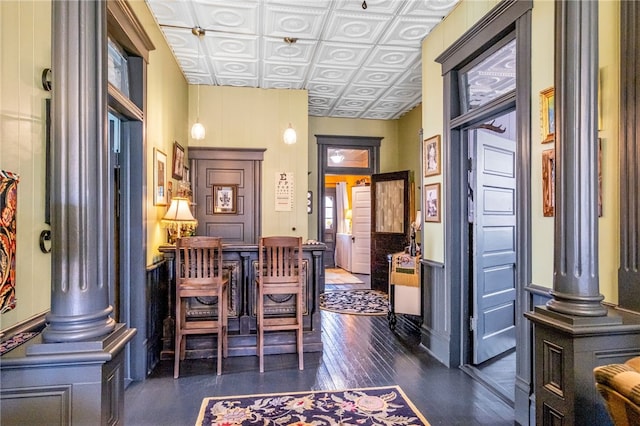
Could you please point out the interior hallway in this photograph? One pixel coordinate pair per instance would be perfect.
(359, 351)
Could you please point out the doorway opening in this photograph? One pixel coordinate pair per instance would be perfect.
(345, 166)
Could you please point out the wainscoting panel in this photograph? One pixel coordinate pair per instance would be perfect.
(436, 328)
(157, 281)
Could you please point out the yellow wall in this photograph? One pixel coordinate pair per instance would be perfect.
(166, 118)
(409, 152)
(240, 117)
(25, 35)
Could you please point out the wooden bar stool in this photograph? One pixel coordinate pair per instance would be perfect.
(199, 273)
(280, 272)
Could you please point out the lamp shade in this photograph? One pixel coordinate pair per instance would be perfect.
(418, 222)
(290, 136)
(197, 131)
(179, 211)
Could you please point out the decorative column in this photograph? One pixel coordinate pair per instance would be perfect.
(80, 175)
(575, 332)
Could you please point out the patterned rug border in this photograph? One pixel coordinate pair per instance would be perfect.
(410, 404)
(338, 311)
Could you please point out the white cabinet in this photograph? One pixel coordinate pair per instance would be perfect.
(344, 248)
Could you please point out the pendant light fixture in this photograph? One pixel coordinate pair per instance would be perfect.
(290, 137)
(197, 130)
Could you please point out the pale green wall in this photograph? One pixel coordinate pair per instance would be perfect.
(409, 152)
(463, 17)
(25, 35)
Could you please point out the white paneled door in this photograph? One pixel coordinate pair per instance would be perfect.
(361, 229)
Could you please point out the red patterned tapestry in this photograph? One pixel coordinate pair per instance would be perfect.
(8, 204)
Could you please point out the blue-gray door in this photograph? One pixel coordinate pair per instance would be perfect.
(494, 238)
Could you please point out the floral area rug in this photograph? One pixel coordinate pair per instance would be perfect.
(355, 302)
(384, 406)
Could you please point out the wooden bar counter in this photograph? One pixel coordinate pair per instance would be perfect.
(240, 261)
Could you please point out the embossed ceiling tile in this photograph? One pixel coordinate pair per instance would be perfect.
(222, 46)
(364, 91)
(402, 94)
(348, 54)
(274, 48)
(267, 83)
(304, 23)
(438, 8)
(392, 57)
(345, 113)
(241, 17)
(199, 79)
(408, 31)
(377, 76)
(387, 105)
(378, 115)
(318, 112)
(284, 71)
(325, 89)
(181, 40)
(345, 103)
(236, 68)
(374, 6)
(238, 81)
(326, 74)
(355, 27)
(172, 12)
(321, 101)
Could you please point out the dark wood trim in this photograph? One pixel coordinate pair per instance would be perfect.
(208, 153)
(126, 28)
(120, 103)
(493, 26)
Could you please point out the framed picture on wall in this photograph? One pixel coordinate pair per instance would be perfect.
(548, 182)
(225, 199)
(432, 205)
(178, 161)
(431, 156)
(160, 187)
(547, 115)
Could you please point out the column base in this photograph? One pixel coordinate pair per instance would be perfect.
(69, 383)
(567, 349)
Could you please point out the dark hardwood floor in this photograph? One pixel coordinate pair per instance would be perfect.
(359, 351)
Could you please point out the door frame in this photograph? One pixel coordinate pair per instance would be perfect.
(326, 142)
(505, 18)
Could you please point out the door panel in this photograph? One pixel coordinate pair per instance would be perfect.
(329, 233)
(233, 228)
(389, 222)
(494, 236)
(361, 229)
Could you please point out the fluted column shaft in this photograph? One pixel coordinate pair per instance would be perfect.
(80, 174)
(576, 281)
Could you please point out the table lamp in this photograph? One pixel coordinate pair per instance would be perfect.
(178, 215)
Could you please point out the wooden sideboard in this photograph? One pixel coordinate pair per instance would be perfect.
(241, 261)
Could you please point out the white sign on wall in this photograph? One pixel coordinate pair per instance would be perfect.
(284, 191)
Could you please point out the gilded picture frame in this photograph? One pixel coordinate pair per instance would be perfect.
(548, 182)
(547, 115)
(160, 187)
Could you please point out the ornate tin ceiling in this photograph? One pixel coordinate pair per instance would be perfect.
(354, 62)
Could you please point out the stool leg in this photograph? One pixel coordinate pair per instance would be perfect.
(299, 336)
(178, 340)
(260, 335)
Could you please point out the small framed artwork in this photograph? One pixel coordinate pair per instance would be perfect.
(186, 176)
(178, 161)
(160, 189)
(431, 156)
(548, 115)
(225, 199)
(548, 182)
(432, 204)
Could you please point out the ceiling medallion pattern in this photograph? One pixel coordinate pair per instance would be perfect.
(355, 61)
